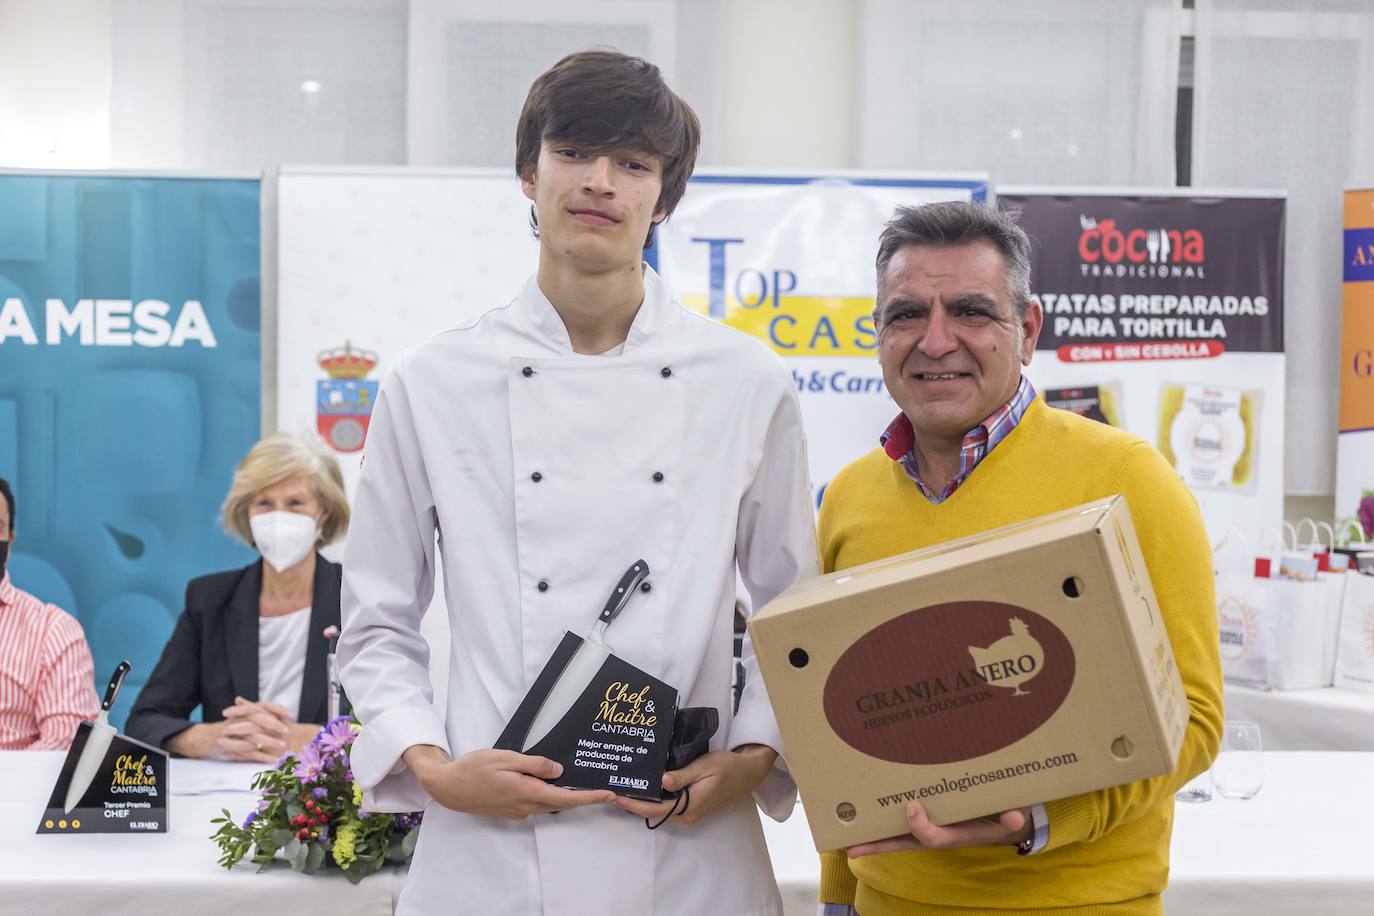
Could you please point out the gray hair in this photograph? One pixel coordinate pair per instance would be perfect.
(958, 222)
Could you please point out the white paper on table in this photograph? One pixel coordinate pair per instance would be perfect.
(212, 777)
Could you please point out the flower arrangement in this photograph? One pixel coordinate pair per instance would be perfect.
(1360, 523)
(310, 815)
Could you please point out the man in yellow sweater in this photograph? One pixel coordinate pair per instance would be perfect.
(974, 449)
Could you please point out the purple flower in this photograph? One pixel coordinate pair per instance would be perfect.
(336, 736)
(408, 822)
(308, 765)
(1366, 514)
(320, 792)
(252, 816)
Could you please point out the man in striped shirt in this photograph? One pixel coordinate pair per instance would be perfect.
(47, 679)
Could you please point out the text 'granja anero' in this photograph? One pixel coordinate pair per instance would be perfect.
(926, 689)
(108, 323)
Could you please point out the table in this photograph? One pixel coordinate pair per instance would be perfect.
(1300, 846)
(172, 872)
(1322, 719)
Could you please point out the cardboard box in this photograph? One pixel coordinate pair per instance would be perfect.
(1022, 665)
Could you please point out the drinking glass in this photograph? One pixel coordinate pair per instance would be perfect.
(1239, 769)
(1197, 789)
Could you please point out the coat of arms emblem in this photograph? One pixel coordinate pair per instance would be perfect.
(343, 402)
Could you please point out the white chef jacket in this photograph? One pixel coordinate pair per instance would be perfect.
(545, 474)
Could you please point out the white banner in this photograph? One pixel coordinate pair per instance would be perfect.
(1164, 316)
(789, 259)
(371, 262)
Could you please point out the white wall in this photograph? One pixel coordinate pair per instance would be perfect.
(55, 84)
(776, 83)
(789, 73)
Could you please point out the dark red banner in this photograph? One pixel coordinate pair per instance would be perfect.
(1137, 350)
(1138, 278)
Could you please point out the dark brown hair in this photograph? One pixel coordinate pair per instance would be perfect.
(6, 492)
(602, 101)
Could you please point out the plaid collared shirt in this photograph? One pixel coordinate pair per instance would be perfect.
(899, 438)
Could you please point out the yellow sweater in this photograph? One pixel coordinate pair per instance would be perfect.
(1108, 851)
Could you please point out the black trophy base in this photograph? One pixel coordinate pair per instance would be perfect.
(615, 735)
(128, 793)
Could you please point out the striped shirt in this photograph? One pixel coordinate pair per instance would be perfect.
(899, 438)
(47, 679)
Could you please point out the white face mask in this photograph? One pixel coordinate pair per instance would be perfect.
(284, 538)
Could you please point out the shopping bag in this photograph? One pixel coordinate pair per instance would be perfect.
(1246, 624)
(1331, 569)
(1271, 629)
(1332, 577)
(1355, 651)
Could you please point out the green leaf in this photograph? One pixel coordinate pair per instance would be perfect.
(290, 847)
(294, 809)
(408, 844)
(281, 836)
(299, 859)
(366, 865)
(313, 859)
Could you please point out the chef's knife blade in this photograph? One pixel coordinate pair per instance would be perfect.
(102, 733)
(586, 661)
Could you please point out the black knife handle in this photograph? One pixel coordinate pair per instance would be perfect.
(623, 590)
(116, 681)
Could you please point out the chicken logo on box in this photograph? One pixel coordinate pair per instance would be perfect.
(949, 682)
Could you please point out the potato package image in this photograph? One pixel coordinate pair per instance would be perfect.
(1210, 434)
(1101, 402)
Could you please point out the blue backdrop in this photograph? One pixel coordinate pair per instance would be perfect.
(129, 389)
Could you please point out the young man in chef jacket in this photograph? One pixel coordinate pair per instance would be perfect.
(546, 446)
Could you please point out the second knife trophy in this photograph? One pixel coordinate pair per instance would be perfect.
(607, 722)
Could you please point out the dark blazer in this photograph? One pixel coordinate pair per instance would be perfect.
(213, 653)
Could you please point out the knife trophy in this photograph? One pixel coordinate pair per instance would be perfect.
(586, 661)
(102, 733)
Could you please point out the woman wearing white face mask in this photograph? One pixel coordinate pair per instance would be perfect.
(249, 648)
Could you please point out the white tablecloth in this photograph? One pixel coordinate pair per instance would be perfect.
(1302, 846)
(1324, 719)
(172, 872)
